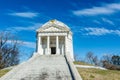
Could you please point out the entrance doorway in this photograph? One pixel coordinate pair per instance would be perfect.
(53, 50)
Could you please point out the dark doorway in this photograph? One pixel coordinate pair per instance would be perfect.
(53, 50)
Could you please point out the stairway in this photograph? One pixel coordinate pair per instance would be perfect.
(41, 67)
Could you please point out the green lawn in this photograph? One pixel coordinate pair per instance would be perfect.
(82, 63)
(4, 71)
(97, 74)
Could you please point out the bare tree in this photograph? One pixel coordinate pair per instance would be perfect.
(89, 57)
(77, 58)
(92, 59)
(9, 50)
(106, 59)
(95, 60)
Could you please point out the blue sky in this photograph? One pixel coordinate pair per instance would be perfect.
(95, 23)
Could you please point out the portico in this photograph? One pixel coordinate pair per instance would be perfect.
(54, 45)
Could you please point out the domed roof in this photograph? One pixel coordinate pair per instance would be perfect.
(54, 23)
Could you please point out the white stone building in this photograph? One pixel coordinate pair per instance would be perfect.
(54, 38)
(52, 60)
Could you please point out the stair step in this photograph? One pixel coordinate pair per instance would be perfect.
(50, 67)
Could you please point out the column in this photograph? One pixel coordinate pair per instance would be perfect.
(39, 45)
(65, 44)
(48, 45)
(62, 49)
(57, 45)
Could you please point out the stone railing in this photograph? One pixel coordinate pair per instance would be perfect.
(73, 70)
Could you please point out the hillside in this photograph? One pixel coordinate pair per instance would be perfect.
(89, 74)
(3, 72)
(97, 74)
(40, 68)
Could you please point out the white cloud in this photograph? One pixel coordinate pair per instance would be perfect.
(24, 28)
(115, 6)
(100, 31)
(24, 43)
(107, 21)
(107, 9)
(29, 44)
(25, 14)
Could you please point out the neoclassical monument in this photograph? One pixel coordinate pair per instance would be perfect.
(54, 38)
(53, 59)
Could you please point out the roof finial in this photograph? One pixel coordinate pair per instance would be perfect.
(52, 20)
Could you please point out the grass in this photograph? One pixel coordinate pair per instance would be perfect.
(3, 72)
(97, 74)
(82, 63)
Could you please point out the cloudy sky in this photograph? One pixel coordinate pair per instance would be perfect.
(95, 23)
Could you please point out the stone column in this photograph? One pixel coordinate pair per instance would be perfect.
(65, 44)
(62, 49)
(39, 45)
(57, 45)
(48, 45)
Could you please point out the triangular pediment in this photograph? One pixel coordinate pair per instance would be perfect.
(52, 29)
(53, 26)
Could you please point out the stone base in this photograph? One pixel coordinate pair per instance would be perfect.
(41, 67)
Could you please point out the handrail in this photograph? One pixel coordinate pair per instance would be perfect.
(74, 72)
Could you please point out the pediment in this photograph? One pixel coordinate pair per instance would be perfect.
(52, 29)
(52, 26)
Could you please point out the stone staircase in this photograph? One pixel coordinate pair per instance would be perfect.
(41, 67)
